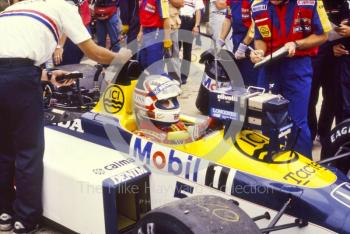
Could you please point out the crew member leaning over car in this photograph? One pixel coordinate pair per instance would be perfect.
(30, 30)
(300, 26)
(155, 28)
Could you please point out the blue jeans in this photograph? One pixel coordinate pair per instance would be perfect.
(152, 51)
(110, 27)
(22, 142)
(292, 78)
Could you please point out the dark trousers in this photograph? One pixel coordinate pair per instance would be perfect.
(21, 142)
(325, 77)
(186, 40)
(292, 79)
(344, 73)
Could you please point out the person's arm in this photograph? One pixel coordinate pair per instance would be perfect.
(102, 55)
(320, 25)
(177, 3)
(226, 27)
(58, 53)
(220, 4)
(260, 49)
(197, 21)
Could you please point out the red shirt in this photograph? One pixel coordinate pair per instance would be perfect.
(152, 13)
(85, 12)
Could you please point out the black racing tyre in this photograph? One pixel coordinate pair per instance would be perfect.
(338, 140)
(197, 215)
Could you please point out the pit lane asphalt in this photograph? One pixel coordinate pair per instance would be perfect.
(187, 101)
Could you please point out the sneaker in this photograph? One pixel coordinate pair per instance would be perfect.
(5, 222)
(19, 228)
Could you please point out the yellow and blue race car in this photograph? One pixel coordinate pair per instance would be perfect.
(103, 176)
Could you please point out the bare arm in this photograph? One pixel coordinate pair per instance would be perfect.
(312, 41)
(259, 52)
(226, 27)
(102, 55)
(220, 4)
(198, 18)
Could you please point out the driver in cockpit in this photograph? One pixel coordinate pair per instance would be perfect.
(158, 111)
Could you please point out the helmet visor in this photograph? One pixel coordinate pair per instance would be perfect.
(168, 104)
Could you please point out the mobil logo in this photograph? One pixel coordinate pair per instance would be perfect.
(160, 158)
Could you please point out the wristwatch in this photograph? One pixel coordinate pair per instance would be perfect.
(58, 47)
(296, 44)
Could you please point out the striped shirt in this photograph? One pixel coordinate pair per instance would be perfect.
(31, 29)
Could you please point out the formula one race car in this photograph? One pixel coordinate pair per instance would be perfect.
(103, 176)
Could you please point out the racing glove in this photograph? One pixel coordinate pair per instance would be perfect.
(240, 53)
(168, 48)
(125, 29)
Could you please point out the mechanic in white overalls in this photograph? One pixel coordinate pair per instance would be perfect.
(29, 35)
(217, 15)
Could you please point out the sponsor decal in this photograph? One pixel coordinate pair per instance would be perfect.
(223, 114)
(150, 8)
(113, 166)
(306, 2)
(265, 31)
(128, 175)
(259, 8)
(223, 97)
(257, 146)
(342, 194)
(212, 85)
(301, 29)
(74, 125)
(165, 159)
(303, 175)
(98, 171)
(339, 133)
(113, 99)
(118, 164)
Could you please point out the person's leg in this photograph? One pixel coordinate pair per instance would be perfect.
(153, 52)
(28, 136)
(112, 29)
(25, 109)
(187, 41)
(345, 86)
(317, 64)
(296, 75)
(249, 74)
(101, 32)
(7, 155)
(174, 64)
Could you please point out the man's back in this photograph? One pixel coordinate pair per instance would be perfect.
(35, 33)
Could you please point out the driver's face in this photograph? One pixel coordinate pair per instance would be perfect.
(276, 2)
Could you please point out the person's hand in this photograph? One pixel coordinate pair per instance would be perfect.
(240, 52)
(257, 56)
(140, 36)
(343, 30)
(291, 47)
(58, 55)
(54, 75)
(195, 30)
(340, 50)
(125, 29)
(124, 55)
